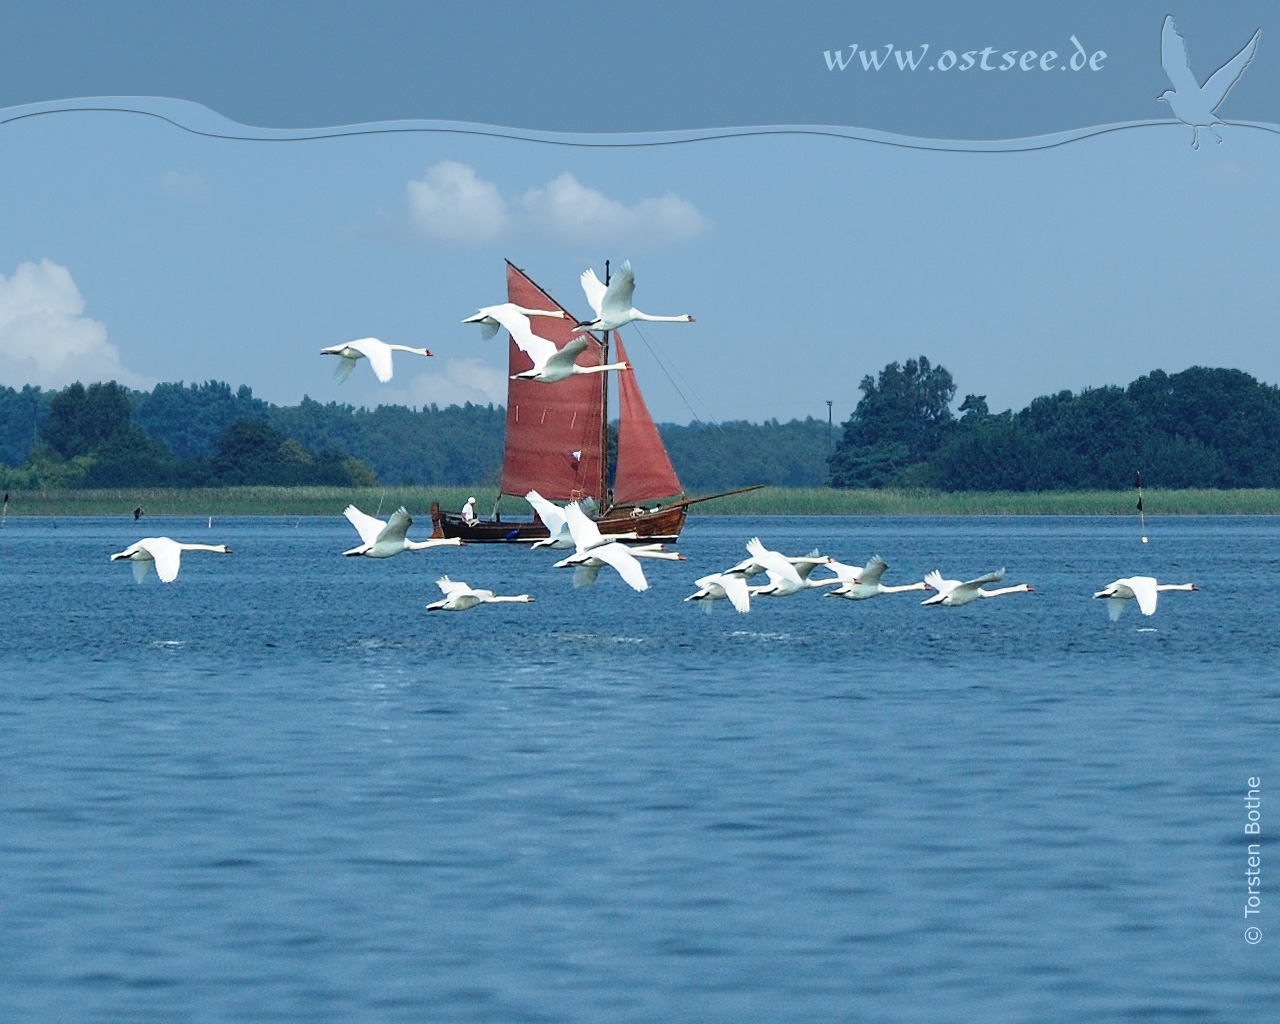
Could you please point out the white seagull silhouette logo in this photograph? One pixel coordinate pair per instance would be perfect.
(1191, 102)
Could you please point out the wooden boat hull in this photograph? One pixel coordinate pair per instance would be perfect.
(648, 526)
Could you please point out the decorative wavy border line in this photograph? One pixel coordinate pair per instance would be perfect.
(197, 119)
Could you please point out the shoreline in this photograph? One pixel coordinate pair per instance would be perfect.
(817, 501)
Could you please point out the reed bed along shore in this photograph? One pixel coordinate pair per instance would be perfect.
(814, 501)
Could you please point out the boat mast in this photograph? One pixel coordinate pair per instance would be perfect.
(604, 414)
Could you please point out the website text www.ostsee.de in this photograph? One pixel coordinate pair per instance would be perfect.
(990, 58)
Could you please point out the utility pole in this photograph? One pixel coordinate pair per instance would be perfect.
(829, 427)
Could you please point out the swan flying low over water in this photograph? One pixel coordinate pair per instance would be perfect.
(1144, 589)
(165, 553)
(859, 584)
(382, 540)
(952, 592)
(720, 586)
(377, 352)
(458, 597)
(612, 302)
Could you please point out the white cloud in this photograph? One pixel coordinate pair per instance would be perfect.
(451, 204)
(463, 380)
(579, 213)
(45, 339)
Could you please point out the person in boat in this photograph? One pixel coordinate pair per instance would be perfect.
(469, 511)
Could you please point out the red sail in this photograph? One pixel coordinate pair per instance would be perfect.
(554, 440)
(644, 470)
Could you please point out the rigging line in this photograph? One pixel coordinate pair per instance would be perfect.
(660, 356)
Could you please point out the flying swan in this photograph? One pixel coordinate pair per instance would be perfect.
(952, 592)
(859, 584)
(1144, 589)
(377, 352)
(165, 553)
(612, 302)
(550, 364)
(458, 597)
(382, 540)
(489, 323)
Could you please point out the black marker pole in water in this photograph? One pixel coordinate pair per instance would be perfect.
(1137, 482)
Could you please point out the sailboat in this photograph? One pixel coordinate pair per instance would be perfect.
(557, 444)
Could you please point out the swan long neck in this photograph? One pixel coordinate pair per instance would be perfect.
(1021, 588)
(1176, 586)
(600, 369)
(904, 588)
(407, 348)
(683, 318)
(221, 549)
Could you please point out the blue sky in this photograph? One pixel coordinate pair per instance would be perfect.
(134, 249)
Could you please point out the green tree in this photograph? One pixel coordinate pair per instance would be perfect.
(81, 419)
(900, 421)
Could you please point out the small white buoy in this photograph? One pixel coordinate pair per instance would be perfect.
(1144, 540)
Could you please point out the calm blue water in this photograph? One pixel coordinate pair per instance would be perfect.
(279, 790)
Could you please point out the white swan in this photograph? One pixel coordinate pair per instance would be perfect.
(458, 597)
(1144, 589)
(720, 586)
(612, 302)
(781, 586)
(382, 540)
(595, 551)
(952, 592)
(762, 560)
(554, 519)
(377, 352)
(489, 323)
(858, 584)
(550, 364)
(165, 553)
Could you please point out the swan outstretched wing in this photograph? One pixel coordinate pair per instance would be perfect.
(552, 515)
(1115, 607)
(772, 561)
(617, 297)
(397, 526)
(140, 568)
(568, 355)
(735, 589)
(594, 289)
(625, 562)
(990, 577)
(366, 525)
(847, 573)
(585, 575)
(378, 354)
(536, 348)
(1144, 590)
(450, 587)
(343, 370)
(873, 570)
(167, 555)
(586, 534)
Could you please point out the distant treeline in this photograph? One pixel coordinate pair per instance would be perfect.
(1201, 428)
(209, 435)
